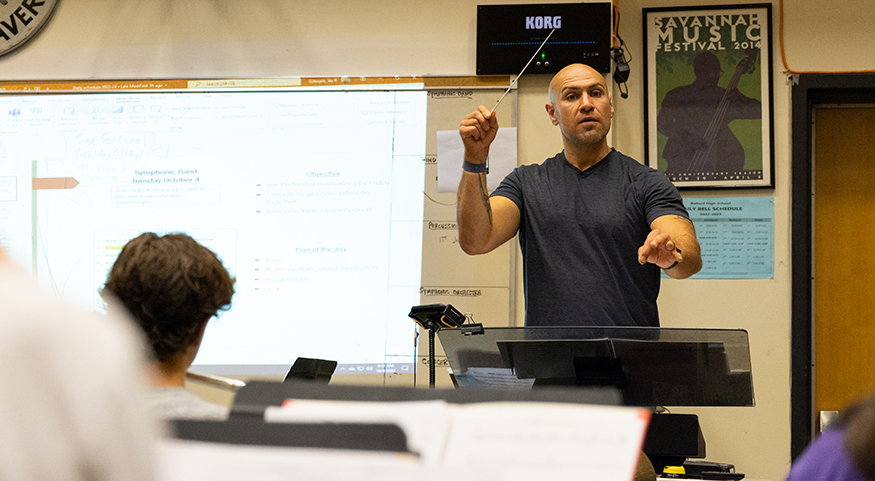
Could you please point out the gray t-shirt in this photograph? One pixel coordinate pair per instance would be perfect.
(580, 232)
(177, 403)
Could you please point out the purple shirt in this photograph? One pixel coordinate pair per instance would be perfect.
(826, 459)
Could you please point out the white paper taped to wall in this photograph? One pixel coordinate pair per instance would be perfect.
(451, 153)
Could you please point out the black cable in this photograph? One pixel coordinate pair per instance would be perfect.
(624, 91)
(622, 47)
(415, 356)
(431, 359)
(618, 55)
(621, 71)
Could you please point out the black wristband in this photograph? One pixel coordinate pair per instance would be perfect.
(675, 262)
(474, 168)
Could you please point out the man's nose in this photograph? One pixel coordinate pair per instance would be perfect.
(586, 103)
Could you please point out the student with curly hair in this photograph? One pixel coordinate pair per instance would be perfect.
(172, 286)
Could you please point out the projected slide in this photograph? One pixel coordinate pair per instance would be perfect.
(313, 200)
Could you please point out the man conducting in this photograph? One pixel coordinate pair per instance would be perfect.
(595, 226)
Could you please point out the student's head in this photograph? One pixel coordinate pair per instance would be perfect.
(172, 286)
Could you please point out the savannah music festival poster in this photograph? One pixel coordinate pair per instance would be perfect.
(708, 86)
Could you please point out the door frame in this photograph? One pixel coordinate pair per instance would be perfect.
(808, 91)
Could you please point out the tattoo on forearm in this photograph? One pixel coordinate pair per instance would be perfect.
(484, 196)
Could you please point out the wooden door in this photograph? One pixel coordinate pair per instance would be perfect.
(844, 256)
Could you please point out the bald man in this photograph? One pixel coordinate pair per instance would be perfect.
(595, 226)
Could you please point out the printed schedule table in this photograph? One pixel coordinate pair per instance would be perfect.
(736, 235)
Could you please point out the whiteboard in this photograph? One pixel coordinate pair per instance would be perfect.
(481, 285)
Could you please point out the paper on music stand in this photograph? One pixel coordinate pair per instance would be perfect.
(423, 422)
(451, 153)
(594, 442)
(493, 378)
(597, 442)
(210, 461)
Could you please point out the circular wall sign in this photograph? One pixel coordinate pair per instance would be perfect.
(21, 20)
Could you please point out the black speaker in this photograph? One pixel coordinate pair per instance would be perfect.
(672, 438)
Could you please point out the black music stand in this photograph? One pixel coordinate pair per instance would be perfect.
(655, 367)
(649, 373)
(652, 367)
(435, 317)
(255, 397)
(250, 430)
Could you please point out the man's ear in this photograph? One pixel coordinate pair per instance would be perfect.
(552, 113)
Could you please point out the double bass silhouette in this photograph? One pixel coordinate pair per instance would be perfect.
(696, 118)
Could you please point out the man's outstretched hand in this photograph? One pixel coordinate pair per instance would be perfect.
(659, 249)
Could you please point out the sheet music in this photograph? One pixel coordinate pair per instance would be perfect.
(199, 461)
(195, 461)
(595, 442)
(494, 378)
(424, 422)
